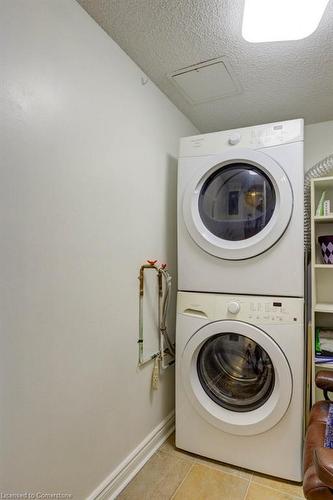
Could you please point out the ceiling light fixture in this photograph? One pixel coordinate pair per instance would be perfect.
(277, 20)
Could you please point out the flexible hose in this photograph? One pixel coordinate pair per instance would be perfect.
(164, 311)
(321, 169)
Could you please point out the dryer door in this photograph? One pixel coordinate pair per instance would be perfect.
(238, 204)
(236, 377)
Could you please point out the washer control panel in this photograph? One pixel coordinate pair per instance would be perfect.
(263, 310)
(251, 309)
(273, 310)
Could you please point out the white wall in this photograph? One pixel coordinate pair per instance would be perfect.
(88, 192)
(318, 143)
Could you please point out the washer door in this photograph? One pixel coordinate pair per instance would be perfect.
(238, 204)
(236, 377)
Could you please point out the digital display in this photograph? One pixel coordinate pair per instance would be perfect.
(277, 304)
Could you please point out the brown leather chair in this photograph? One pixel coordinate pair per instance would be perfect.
(318, 461)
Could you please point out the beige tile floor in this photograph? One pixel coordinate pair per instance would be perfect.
(174, 474)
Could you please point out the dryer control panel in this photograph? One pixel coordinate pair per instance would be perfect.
(257, 137)
(251, 309)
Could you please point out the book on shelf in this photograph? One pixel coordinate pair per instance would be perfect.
(320, 358)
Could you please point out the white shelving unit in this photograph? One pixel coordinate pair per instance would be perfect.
(321, 273)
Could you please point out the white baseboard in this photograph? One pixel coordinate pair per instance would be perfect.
(121, 476)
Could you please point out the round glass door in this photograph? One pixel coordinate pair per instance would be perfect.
(235, 372)
(236, 377)
(238, 204)
(237, 201)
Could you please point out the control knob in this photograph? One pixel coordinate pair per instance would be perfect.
(233, 307)
(234, 139)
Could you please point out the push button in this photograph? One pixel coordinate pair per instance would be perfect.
(233, 307)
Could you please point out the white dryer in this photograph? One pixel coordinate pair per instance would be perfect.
(240, 380)
(240, 211)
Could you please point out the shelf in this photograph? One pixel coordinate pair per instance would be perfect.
(322, 277)
(324, 365)
(323, 218)
(323, 307)
(323, 181)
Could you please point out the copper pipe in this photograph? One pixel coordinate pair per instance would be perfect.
(141, 277)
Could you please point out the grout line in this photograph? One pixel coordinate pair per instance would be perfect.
(197, 459)
(181, 456)
(182, 482)
(248, 487)
(175, 461)
(194, 460)
(218, 469)
(291, 495)
(178, 453)
(201, 461)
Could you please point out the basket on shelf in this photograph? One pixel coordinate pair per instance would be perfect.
(326, 247)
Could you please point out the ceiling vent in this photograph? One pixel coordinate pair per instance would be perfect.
(206, 81)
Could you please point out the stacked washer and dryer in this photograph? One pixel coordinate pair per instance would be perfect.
(240, 310)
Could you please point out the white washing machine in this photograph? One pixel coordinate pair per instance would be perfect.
(240, 211)
(240, 380)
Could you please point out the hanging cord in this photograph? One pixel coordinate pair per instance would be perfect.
(165, 304)
(155, 378)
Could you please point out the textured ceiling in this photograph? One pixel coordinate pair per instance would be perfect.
(280, 80)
